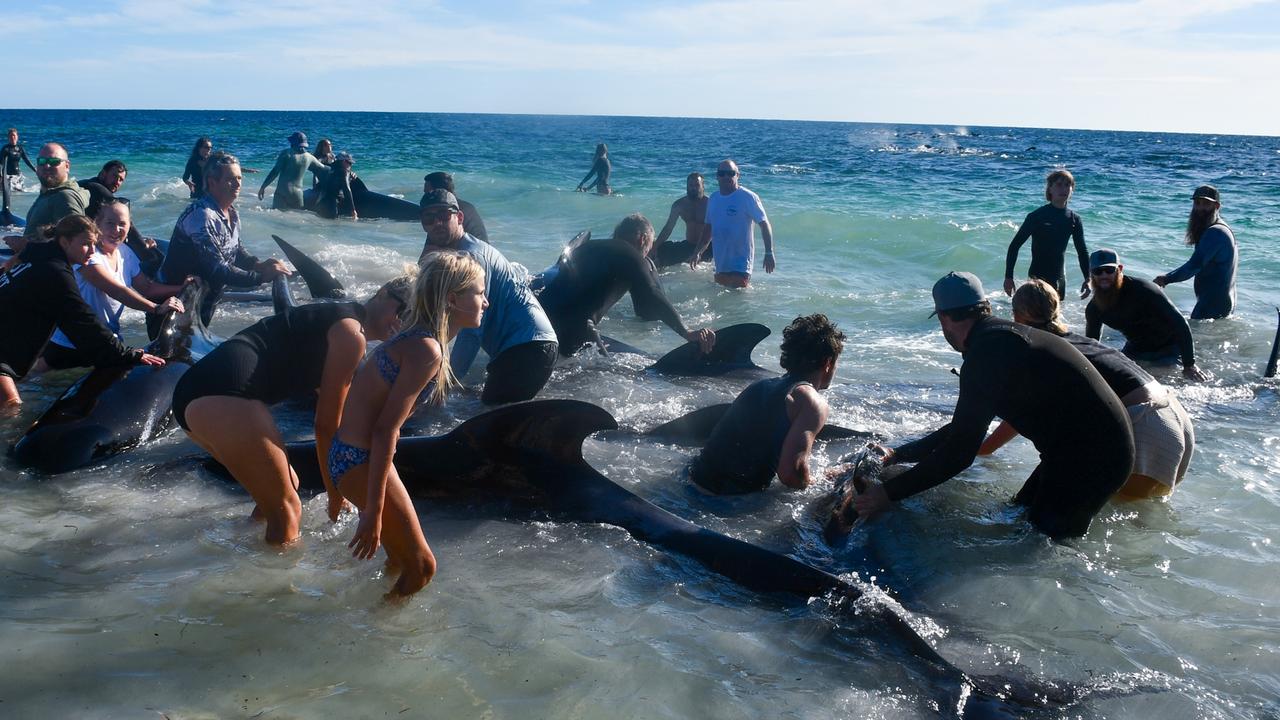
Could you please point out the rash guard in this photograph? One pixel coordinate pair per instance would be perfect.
(1151, 325)
(1049, 228)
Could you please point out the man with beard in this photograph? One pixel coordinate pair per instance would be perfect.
(1042, 386)
(60, 196)
(1153, 328)
(692, 208)
(1213, 263)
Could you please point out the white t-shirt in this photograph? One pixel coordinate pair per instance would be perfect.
(106, 308)
(733, 241)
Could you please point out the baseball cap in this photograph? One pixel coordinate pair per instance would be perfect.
(438, 198)
(344, 155)
(1103, 258)
(1208, 192)
(956, 290)
(298, 138)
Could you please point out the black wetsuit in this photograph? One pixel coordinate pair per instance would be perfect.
(598, 273)
(275, 359)
(1053, 396)
(335, 196)
(40, 294)
(195, 173)
(472, 224)
(1153, 328)
(1122, 374)
(1049, 229)
(11, 154)
(742, 454)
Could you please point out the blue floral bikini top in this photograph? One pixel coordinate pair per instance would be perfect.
(387, 367)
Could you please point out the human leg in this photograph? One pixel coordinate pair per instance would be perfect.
(519, 372)
(733, 279)
(240, 434)
(402, 538)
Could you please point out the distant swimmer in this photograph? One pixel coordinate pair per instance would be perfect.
(111, 280)
(472, 223)
(193, 173)
(770, 428)
(1153, 328)
(39, 294)
(515, 334)
(10, 155)
(1042, 386)
(447, 297)
(601, 169)
(335, 195)
(732, 214)
(598, 273)
(1050, 227)
(1163, 438)
(291, 167)
(206, 240)
(310, 351)
(1214, 260)
(692, 209)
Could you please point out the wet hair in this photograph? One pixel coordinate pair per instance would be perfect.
(11, 131)
(401, 289)
(1055, 176)
(113, 165)
(1038, 302)
(195, 149)
(69, 227)
(602, 150)
(694, 174)
(632, 227)
(442, 273)
(808, 342)
(969, 312)
(216, 162)
(325, 141)
(440, 180)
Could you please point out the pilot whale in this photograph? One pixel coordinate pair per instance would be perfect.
(530, 454)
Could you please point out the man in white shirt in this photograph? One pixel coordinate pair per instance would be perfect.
(730, 214)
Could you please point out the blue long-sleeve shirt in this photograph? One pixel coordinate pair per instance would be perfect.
(206, 243)
(1213, 265)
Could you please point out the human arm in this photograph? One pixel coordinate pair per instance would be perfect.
(465, 348)
(189, 174)
(153, 289)
(1011, 257)
(98, 276)
(1182, 334)
(23, 152)
(82, 328)
(346, 348)
(1092, 322)
(1003, 433)
(766, 234)
(275, 170)
(1208, 246)
(667, 229)
(419, 363)
(809, 414)
(702, 246)
(1082, 253)
(590, 172)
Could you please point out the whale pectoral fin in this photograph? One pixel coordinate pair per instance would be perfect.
(734, 345)
(692, 428)
(319, 282)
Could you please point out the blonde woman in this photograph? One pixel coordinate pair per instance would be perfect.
(447, 297)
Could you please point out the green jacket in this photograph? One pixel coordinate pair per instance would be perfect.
(54, 204)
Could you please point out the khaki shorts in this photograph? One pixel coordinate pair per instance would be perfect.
(1163, 438)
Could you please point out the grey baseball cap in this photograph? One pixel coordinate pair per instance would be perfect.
(438, 198)
(956, 290)
(1103, 258)
(298, 138)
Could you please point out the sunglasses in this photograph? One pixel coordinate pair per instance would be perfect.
(434, 217)
(726, 173)
(1109, 270)
(50, 161)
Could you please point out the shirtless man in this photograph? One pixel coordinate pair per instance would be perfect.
(692, 209)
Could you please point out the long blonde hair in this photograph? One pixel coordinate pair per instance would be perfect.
(442, 273)
(1038, 301)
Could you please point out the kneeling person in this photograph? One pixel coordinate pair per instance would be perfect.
(771, 426)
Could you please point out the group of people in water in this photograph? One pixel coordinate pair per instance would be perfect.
(1103, 426)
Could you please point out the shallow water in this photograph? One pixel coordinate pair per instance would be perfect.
(140, 587)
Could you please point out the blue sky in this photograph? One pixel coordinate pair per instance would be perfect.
(1122, 64)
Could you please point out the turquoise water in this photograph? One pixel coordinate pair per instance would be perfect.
(138, 587)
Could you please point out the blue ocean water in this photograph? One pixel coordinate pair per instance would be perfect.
(161, 590)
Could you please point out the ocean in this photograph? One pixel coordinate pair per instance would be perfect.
(139, 588)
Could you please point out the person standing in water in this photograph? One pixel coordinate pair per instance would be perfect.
(447, 297)
(601, 169)
(472, 223)
(1213, 263)
(1050, 227)
(732, 214)
(10, 155)
(291, 167)
(335, 198)
(692, 209)
(193, 173)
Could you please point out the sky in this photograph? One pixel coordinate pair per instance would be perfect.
(1154, 65)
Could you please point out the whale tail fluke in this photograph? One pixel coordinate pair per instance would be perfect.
(319, 282)
(732, 351)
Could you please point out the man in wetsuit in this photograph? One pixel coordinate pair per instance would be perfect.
(10, 154)
(206, 240)
(1081, 430)
(770, 427)
(597, 274)
(1153, 328)
(472, 224)
(515, 332)
(60, 196)
(335, 196)
(729, 229)
(1049, 227)
(1213, 263)
(291, 166)
(692, 208)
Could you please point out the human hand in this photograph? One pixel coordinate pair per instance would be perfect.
(368, 535)
(1161, 280)
(152, 360)
(1085, 290)
(149, 242)
(168, 304)
(886, 453)
(1009, 286)
(769, 262)
(354, 216)
(706, 339)
(262, 192)
(1191, 372)
(872, 501)
(273, 267)
(337, 504)
(191, 187)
